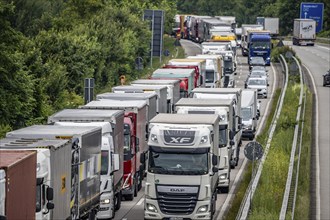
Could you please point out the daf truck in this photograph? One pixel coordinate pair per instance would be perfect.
(244, 42)
(259, 45)
(112, 150)
(223, 108)
(84, 162)
(234, 94)
(173, 89)
(135, 132)
(182, 174)
(17, 184)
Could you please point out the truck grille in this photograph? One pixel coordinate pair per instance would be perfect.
(177, 203)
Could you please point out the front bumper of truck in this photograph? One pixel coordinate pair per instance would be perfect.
(152, 211)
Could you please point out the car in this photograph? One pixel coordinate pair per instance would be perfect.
(256, 61)
(260, 84)
(258, 73)
(262, 68)
(326, 78)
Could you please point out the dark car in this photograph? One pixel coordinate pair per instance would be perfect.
(326, 78)
(256, 61)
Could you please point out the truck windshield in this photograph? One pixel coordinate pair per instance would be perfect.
(104, 162)
(260, 45)
(222, 136)
(178, 163)
(127, 144)
(246, 113)
(209, 76)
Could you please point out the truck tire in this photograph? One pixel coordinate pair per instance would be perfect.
(118, 201)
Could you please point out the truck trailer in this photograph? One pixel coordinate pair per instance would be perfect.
(135, 131)
(160, 90)
(85, 166)
(234, 94)
(223, 108)
(112, 150)
(173, 89)
(182, 167)
(53, 176)
(17, 184)
(304, 32)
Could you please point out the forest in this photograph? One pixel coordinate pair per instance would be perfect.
(48, 47)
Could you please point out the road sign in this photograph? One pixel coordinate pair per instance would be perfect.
(89, 90)
(253, 151)
(313, 11)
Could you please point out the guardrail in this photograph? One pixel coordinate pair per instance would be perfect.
(246, 203)
(290, 192)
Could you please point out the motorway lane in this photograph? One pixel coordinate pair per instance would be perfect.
(317, 60)
(134, 210)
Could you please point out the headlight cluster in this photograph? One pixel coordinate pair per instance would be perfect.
(105, 201)
(203, 209)
(151, 208)
(223, 176)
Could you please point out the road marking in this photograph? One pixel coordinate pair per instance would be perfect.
(140, 201)
(327, 48)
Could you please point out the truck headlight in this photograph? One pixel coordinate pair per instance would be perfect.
(203, 209)
(223, 176)
(105, 201)
(204, 139)
(154, 138)
(151, 208)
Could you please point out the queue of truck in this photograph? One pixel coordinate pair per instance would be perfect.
(180, 130)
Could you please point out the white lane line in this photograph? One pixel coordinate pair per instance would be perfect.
(140, 201)
(327, 48)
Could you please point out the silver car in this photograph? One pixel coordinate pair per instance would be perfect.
(260, 84)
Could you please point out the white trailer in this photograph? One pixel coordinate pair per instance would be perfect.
(160, 90)
(173, 89)
(250, 115)
(234, 94)
(269, 24)
(182, 167)
(86, 161)
(150, 98)
(304, 32)
(112, 150)
(223, 108)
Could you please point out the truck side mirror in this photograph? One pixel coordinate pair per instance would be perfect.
(215, 169)
(214, 160)
(50, 193)
(142, 158)
(231, 143)
(231, 135)
(50, 205)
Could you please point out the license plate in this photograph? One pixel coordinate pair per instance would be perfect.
(176, 218)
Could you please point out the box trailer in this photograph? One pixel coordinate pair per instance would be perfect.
(304, 32)
(17, 184)
(86, 164)
(173, 89)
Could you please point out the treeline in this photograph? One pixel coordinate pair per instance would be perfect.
(47, 48)
(246, 11)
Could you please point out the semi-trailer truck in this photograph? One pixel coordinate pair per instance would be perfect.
(304, 32)
(84, 162)
(223, 108)
(182, 174)
(112, 150)
(234, 94)
(135, 133)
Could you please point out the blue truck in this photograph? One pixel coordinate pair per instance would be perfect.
(259, 44)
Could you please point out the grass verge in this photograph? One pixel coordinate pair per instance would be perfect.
(268, 196)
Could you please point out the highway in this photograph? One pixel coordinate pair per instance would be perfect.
(317, 61)
(132, 210)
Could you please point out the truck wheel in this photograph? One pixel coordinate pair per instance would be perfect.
(118, 201)
(224, 189)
